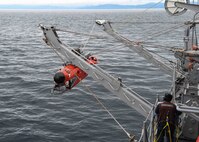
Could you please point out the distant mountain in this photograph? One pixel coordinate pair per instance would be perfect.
(37, 7)
(115, 6)
(105, 6)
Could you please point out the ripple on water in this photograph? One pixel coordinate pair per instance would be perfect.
(30, 113)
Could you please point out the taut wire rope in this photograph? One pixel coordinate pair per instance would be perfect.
(104, 107)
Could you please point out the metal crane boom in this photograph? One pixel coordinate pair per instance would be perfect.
(137, 48)
(192, 7)
(112, 84)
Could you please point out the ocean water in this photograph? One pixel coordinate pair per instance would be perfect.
(29, 112)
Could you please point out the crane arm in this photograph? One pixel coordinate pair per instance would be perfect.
(136, 47)
(130, 97)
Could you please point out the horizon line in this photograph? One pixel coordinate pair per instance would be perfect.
(62, 4)
(99, 6)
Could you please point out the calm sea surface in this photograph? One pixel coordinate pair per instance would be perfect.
(28, 110)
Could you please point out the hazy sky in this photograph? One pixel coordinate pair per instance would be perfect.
(76, 2)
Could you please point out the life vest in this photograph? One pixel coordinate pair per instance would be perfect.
(166, 109)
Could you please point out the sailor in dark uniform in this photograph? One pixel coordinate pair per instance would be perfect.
(167, 117)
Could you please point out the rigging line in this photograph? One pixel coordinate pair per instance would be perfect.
(153, 5)
(66, 45)
(103, 106)
(164, 32)
(165, 59)
(167, 30)
(129, 41)
(134, 43)
(89, 36)
(152, 46)
(96, 66)
(95, 53)
(148, 32)
(164, 47)
(158, 55)
(82, 57)
(137, 42)
(120, 46)
(79, 33)
(150, 7)
(107, 49)
(147, 22)
(147, 44)
(170, 61)
(62, 59)
(136, 16)
(169, 50)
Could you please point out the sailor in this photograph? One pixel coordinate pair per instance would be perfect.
(167, 116)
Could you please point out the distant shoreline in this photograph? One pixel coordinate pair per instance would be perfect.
(91, 7)
(77, 10)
